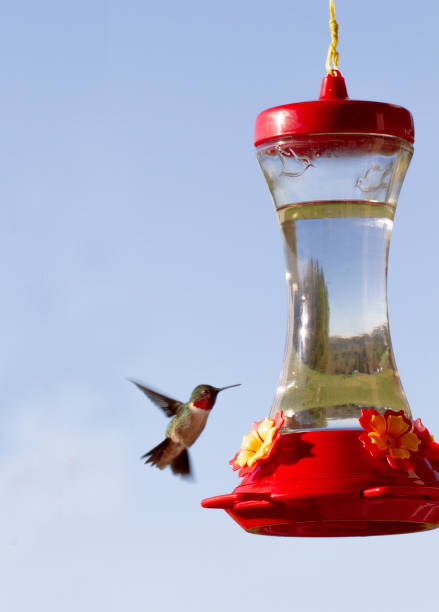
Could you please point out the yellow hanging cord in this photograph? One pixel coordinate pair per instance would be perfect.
(332, 59)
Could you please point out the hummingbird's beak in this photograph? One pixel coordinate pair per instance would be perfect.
(228, 387)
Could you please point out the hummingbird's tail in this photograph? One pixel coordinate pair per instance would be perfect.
(169, 453)
(155, 455)
(181, 464)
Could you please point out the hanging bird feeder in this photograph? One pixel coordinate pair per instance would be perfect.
(339, 454)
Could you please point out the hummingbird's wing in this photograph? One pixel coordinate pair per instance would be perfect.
(167, 404)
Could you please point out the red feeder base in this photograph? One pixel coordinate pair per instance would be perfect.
(325, 484)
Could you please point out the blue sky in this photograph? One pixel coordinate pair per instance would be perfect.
(138, 240)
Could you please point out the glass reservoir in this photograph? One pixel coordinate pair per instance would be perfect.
(335, 197)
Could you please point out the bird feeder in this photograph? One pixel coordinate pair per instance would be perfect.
(340, 453)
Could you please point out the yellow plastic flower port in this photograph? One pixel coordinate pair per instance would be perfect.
(389, 436)
(258, 444)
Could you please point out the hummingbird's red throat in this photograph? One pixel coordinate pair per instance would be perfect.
(205, 403)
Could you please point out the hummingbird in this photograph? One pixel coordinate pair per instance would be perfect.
(189, 421)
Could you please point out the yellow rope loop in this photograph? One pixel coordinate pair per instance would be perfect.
(332, 59)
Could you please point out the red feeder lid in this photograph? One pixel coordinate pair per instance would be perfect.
(332, 113)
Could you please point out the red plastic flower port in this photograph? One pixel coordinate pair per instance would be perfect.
(428, 446)
(391, 436)
(259, 444)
